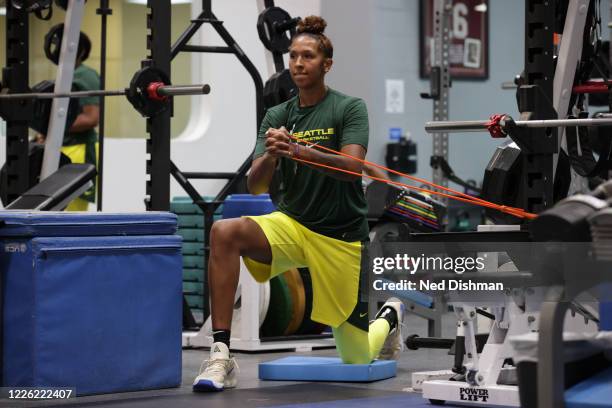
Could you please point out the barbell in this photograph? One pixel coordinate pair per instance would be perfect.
(149, 92)
(483, 125)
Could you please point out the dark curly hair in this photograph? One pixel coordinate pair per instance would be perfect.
(84, 47)
(314, 26)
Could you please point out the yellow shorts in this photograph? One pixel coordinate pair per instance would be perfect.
(334, 265)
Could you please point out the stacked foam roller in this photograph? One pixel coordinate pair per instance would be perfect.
(191, 228)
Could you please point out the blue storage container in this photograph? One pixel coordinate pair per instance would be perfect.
(102, 313)
(237, 205)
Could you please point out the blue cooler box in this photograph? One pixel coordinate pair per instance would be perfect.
(92, 301)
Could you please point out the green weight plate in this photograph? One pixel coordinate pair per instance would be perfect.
(279, 311)
(193, 274)
(298, 300)
(192, 261)
(195, 301)
(193, 248)
(185, 208)
(193, 288)
(191, 234)
(185, 205)
(190, 221)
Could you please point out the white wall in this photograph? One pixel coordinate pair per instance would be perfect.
(382, 42)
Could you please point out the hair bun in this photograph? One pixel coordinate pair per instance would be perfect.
(312, 25)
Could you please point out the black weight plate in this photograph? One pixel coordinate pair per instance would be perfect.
(62, 4)
(137, 93)
(53, 42)
(278, 89)
(266, 28)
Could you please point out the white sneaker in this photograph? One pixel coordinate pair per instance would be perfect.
(218, 372)
(394, 343)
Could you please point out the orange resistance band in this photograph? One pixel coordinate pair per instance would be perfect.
(456, 195)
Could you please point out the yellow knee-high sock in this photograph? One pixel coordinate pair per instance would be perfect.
(378, 332)
(356, 346)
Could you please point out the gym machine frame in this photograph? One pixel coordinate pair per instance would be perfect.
(540, 141)
(440, 82)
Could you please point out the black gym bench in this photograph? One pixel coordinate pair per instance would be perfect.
(56, 191)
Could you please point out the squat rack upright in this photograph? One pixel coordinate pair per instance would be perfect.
(159, 166)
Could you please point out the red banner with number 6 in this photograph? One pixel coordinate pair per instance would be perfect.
(468, 36)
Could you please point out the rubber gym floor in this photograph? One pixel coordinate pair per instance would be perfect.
(251, 392)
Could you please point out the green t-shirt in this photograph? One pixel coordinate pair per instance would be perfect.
(85, 79)
(318, 201)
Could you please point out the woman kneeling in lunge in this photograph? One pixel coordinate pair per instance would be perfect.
(320, 222)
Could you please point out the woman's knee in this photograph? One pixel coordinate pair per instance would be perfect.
(225, 233)
(231, 233)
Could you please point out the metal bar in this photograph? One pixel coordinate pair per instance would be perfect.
(188, 319)
(17, 116)
(181, 43)
(441, 30)
(416, 342)
(509, 85)
(591, 88)
(207, 48)
(178, 90)
(570, 52)
(287, 25)
(159, 19)
(52, 95)
(166, 90)
(588, 87)
(456, 126)
(182, 179)
(207, 7)
(104, 11)
(481, 125)
(63, 83)
(206, 176)
(550, 370)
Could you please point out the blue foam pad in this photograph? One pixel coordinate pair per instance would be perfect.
(79, 224)
(408, 400)
(592, 393)
(325, 369)
(412, 295)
